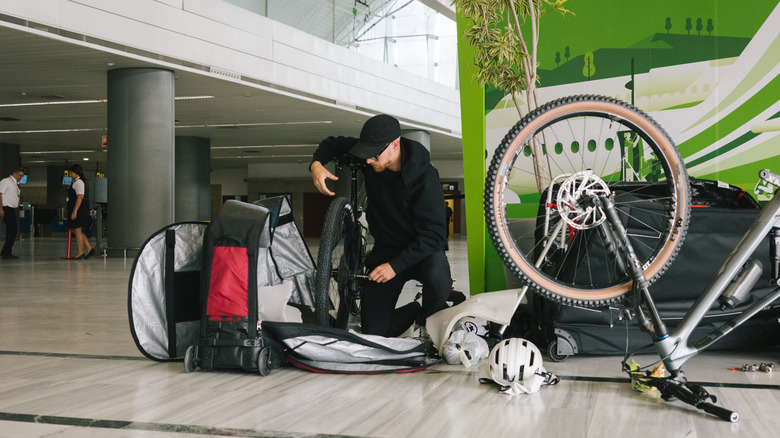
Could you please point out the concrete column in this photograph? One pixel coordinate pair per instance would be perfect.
(192, 182)
(140, 156)
(9, 158)
(422, 137)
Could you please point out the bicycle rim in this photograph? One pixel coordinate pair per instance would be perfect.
(551, 237)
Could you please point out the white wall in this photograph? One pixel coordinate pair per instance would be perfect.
(449, 169)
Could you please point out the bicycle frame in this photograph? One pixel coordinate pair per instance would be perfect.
(353, 165)
(355, 249)
(677, 347)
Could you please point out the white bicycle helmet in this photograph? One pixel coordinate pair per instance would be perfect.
(516, 365)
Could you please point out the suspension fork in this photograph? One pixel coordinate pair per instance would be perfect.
(357, 246)
(620, 248)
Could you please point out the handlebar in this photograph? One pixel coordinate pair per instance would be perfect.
(722, 413)
(694, 395)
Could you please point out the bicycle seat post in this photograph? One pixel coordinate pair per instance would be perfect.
(353, 193)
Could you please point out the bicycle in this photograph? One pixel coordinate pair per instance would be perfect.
(568, 241)
(344, 243)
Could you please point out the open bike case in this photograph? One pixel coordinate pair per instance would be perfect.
(720, 215)
(170, 277)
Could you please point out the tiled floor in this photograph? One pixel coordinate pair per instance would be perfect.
(69, 368)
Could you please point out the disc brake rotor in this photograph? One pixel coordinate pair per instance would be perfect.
(575, 197)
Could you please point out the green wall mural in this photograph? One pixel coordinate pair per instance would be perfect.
(707, 70)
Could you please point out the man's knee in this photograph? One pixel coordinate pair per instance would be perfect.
(435, 271)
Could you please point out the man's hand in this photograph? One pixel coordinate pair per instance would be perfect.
(382, 273)
(319, 174)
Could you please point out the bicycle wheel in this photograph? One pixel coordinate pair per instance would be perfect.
(554, 238)
(335, 265)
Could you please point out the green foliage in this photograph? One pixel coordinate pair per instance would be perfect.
(500, 46)
(502, 57)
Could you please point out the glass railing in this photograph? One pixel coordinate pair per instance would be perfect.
(406, 34)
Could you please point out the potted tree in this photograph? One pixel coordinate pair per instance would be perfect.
(504, 58)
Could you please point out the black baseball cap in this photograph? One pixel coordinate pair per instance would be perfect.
(376, 135)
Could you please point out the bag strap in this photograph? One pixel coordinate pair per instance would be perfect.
(251, 253)
(168, 274)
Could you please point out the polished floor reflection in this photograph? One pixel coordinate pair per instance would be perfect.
(69, 368)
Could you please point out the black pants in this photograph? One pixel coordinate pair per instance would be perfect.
(11, 230)
(377, 303)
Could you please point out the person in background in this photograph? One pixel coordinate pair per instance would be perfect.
(406, 219)
(78, 211)
(9, 199)
(448, 215)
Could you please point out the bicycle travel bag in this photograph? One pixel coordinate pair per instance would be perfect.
(242, 285)
(329, 350)
(235, 241)
(713, 234)
(179, 265)
(720, 215)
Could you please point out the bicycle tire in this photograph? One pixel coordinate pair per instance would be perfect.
(346, 298)
(335, 266)
(598, 142)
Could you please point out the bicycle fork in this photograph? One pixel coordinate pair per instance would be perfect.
(619, 247)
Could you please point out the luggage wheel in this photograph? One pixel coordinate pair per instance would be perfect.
(264, 362)
(562, 346)
(191, 358)
(552, 351)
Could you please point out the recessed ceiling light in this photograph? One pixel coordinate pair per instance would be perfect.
(61, 102)
(76, 102)
(49, 131)
(266, 146)
(192, 97)
(264, 157)
(80, 151)
(241, 125)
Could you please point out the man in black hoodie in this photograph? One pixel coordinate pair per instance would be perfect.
(405, 217)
